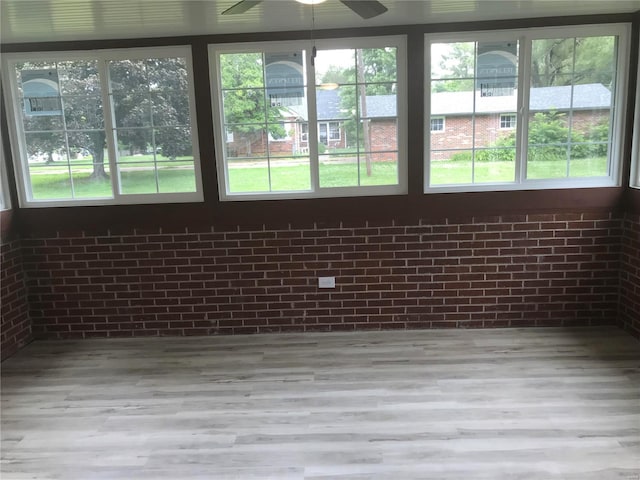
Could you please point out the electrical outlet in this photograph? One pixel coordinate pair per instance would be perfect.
(326, 282)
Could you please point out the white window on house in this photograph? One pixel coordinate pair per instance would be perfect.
(437, 124)
(353, 92)
(334, 130)
(567, 86)
(110, 127)
(508, 120)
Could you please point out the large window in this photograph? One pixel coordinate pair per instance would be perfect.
(104, 127)
(566, 85)
(351, 94)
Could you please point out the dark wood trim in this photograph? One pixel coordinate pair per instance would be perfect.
(8, 228)
(277, 213)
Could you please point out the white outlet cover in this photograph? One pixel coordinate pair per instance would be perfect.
(326, 282)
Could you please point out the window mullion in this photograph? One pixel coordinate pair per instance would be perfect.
(312, 129)
(522, 113)
(109, 126)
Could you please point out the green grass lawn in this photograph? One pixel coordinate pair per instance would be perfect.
(56, 184)
(446, 172)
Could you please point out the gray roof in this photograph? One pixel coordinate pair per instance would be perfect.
(590, 96)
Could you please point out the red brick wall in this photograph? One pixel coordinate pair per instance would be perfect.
(384, 136)
(458, 130)
(16, 325)
(630, 275)
(533, 270)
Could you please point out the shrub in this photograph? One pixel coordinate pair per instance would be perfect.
(461, 157)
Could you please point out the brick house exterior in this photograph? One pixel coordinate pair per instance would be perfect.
(494, 118)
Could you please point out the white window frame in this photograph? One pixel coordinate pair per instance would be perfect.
(525, 37)
(5, 198)
(316, 191)
(510, 116)
(339, 137)
(102, 56)
(634, 180)
(437, 118)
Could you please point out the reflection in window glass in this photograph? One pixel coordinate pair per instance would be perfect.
(63, 129)
(472, 83)
(570, 107)
(151, 108)
(297, 119)
(264, 103)
(68, 153)
(357, 116)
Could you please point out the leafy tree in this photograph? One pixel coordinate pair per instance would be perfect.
(246, 108)
(557, 62)
(458, 66)
(143, 90)
(374, 72)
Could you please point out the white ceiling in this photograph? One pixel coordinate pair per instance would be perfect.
(51, 20)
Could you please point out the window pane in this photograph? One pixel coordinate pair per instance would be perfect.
(128, 77)
(290, 175)
(241, 70)
(265, 115)
(451, 167)
(495, 165)
(454, 61)
(83, 112)
(89, 180)
(248, 176)
(170, 108)
(138, 178)
(572, 96)
(473, 84)
(79, 77)
(48, 165)
(167, 74)
(173, 144)
(176, 177)
(63, 121)
(339, 170)
(355, 121)
(132, 110)
(335, 67)
(382, 169)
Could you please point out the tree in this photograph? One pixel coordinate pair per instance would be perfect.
(557, 62)
(150, 104)
(457, 65)
(246, 109)
(374, 73)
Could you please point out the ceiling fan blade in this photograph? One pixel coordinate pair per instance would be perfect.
(365, 8)
(241, 7)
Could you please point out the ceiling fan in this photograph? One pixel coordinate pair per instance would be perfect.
(364, 8)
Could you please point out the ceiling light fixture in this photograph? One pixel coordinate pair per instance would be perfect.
(311, 2)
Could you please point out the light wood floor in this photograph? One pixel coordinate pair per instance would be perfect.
(481, 404)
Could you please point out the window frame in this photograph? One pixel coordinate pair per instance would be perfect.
(525, 38)
(634, 179)
(437, 117)
(510, 116)
(5, 197)
(316, 191)
(17, 133)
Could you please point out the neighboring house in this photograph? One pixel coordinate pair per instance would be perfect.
(452, 122)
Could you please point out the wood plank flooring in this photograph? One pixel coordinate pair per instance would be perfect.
(456, 404)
